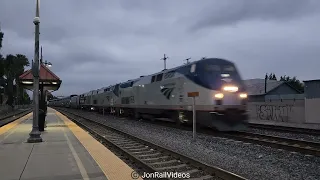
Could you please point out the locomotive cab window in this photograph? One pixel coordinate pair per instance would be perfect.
(159, 77)
(168, 75)
(228, 68)
(217, 68)
(212, 68)
(153, 78)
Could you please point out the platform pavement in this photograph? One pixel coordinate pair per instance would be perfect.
(60, 157)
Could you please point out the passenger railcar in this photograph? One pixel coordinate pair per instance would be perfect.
(63, 102)
(221, 103)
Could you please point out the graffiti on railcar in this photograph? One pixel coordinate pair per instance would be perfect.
(274, 112)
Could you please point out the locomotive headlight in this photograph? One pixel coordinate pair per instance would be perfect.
(219, 95)
(243, 95)
(230, 88)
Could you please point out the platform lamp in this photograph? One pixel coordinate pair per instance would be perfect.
(35, 135)
(47, 64)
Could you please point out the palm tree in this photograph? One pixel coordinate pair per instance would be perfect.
(13, 68)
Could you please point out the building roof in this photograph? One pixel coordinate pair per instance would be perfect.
(45, 74)
(313, 80)
(256, 86)
(48, 80)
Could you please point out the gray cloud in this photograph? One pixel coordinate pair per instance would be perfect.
(230, 12)
(95, 44)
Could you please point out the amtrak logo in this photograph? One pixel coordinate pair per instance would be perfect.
(167, 92)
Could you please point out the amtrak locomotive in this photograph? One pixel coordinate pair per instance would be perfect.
(221, 103)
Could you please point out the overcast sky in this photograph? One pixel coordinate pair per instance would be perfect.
(93, 44)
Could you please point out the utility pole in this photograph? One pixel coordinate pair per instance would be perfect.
(35, 135)
(188, 60)
(165, 59)
(265, 83)
(41, 60)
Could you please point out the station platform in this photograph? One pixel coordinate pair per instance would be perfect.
(66, 153)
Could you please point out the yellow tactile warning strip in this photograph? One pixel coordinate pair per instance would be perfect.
(11, 125)
(113, 167)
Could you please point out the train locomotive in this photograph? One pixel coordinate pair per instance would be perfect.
(221, 103)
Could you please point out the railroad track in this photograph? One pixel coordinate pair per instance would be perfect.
(12, 117)
(305, 147)
(149, 156)
(286, 129)
(294, 145)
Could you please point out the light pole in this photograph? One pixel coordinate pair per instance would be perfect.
(165, 59)
(187, 60)
(35, 135)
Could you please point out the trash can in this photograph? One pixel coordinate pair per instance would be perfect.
(42, 117)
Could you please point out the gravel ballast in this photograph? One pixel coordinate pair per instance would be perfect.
(245, 159)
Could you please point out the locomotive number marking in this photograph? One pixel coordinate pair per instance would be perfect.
(193, 94)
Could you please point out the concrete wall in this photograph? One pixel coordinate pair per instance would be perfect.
(288, 111)
(312, 111)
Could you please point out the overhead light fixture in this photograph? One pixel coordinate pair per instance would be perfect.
(47, 64)
(230, 88)
(27, 82)
(54, 83)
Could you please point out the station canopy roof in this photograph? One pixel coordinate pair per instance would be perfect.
(48, 79)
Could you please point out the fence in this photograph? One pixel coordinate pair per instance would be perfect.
(6, 108)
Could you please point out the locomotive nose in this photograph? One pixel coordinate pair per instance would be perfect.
(231, 93)
(230, 98)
